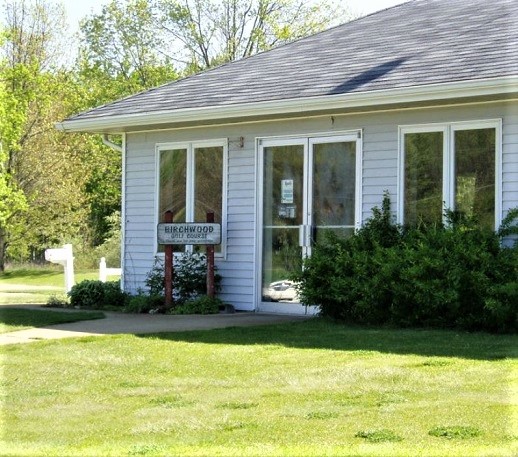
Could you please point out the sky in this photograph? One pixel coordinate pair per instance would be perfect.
(78, 9)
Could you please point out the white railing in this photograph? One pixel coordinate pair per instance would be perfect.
(104, 272)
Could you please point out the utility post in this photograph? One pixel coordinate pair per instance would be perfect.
(211, 292)
(168, 267)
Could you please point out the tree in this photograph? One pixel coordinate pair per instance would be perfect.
(214, 32)
(34, 31)
(122, 52)
(42, 170)
(12, 199)
(53, 170)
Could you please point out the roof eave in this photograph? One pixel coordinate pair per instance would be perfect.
(405, 95)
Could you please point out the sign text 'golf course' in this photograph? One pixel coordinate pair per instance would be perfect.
(189, 233)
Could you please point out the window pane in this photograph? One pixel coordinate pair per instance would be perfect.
(173, 170)
(334, 181)
(475, 153)
(423, 201)
(283, 185)
(282, 214)
(282, 256)
(208, 185)
(172, 196)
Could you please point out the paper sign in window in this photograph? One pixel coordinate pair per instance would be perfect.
(287, 191)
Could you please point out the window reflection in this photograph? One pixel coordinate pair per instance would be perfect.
(429, 189)
(423, 177)
(334, 181)
(475, 174)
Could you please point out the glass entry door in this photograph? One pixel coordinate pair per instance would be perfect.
(284, 208)
(308, 188)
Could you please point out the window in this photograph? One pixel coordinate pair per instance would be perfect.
(191, 182)
(423, 177)
(173, 181)
(474, 173)
(450, 166)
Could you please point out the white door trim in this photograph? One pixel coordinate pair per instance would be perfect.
(307, 142)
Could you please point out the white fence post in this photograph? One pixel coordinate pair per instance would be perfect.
(104, 272)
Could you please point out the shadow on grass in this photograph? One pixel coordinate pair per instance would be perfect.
(320, 333)
(12, 318)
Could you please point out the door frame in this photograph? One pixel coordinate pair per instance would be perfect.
(307, 141)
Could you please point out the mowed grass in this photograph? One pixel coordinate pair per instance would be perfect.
(35, 285)
(310, 388)
(13, 319)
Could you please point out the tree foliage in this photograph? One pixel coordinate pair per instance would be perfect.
(122, 53)
(214, 32)
(12, 199)
(41, 165)
(138, 41)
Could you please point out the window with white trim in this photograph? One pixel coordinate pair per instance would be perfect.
(452, 166)
(191, 182)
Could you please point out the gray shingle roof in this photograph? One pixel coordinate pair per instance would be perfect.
(417, 43)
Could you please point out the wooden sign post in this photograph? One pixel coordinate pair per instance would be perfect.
(168, 267)
(210, 262)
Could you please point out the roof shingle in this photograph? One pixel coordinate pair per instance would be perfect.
(421, 42)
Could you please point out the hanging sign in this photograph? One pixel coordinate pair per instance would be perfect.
(189, 233)
(287, 191)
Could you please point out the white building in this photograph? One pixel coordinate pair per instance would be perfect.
(420, 100)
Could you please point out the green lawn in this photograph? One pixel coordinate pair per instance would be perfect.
(13, 319)
(32, 285)
(310, 388)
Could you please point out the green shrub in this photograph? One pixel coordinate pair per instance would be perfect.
(58, 301)
(457, 275)
(444, 275)
(346, 276)
(97, 295)
(113, 295)
(145, 304)
(189, 277)
(200, 305)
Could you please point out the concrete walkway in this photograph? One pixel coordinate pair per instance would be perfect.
(116, 323)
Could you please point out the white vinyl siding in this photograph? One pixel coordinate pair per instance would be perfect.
(379, 174)
(510, 158)
(139, 218)
(238, 269)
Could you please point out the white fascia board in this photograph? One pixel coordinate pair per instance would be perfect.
(446, 91)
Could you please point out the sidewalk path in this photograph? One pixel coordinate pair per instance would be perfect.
(116, 323)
